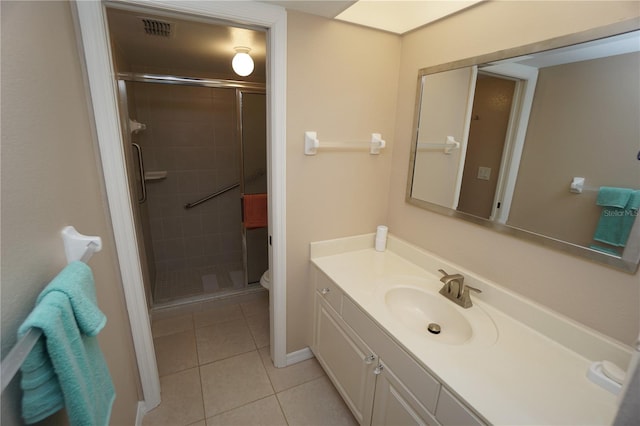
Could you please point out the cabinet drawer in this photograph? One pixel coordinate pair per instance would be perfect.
(416, 379)
(328, 290)
(450, 411)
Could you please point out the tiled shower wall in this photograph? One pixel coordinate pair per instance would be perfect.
(191, 134)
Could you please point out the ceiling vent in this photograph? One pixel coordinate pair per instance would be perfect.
(156, 28)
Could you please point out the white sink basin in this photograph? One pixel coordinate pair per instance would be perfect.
(416, 308)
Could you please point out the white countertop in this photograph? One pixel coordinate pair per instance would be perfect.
(524, 377)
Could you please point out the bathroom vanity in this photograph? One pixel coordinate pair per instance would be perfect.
(505, 360)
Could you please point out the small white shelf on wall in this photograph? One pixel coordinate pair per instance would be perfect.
(156, 175)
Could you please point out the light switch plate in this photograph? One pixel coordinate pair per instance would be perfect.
(484, 173)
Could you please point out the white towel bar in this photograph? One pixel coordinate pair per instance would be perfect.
(312, 144)
(447, 147)
(577, 186)
(18, 354)
(76, 245)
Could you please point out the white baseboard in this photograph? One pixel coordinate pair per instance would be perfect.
(299, 356)
(141, 412)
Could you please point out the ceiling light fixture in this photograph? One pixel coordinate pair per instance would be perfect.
(242, 63)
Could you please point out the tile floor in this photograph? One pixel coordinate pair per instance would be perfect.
(215, 369)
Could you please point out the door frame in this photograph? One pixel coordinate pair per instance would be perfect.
(473, 78)
(526, 78)
(95, 46)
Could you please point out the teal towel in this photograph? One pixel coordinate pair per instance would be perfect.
(66, 367)
(609, 196)
(616, 222)
(631, 213)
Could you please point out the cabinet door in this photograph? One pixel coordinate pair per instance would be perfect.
(347, 360)
(418, 382)
(394, 404)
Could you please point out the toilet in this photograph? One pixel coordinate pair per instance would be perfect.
(265, 280)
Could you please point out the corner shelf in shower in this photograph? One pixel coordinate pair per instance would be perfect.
(154, 176)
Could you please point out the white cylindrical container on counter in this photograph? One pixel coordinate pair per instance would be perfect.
(381, 238)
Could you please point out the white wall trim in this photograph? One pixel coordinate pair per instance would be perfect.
(140, 412)
(473, 78)
(95, 44)
(299, 356)
(516, 133)
(96, 47)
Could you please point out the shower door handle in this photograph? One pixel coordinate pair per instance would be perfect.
(143, 184)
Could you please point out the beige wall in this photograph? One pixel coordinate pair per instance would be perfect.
(341, 82)
(599, 136)
(50, 179)
(600, 297)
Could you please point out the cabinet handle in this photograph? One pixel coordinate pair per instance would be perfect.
(369, 359)
(325, 290)
(378, 369)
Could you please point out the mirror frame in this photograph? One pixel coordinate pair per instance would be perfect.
(624, 263)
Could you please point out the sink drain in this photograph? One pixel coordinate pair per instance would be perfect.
(434, 328)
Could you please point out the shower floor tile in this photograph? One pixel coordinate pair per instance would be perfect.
(237, 278)
(189, 282)
(210, 283)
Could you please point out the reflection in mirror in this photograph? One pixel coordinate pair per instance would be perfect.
(500, 143)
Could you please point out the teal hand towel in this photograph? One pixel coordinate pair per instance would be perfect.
(609, 196)
(631, 213)
(616, 222)
(66, 367)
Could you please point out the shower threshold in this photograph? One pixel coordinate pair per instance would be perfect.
(235, 295)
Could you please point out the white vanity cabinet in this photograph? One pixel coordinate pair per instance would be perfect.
(380, 382)
(348, 361)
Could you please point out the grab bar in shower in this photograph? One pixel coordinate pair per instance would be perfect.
(143, 184)
(209, 197)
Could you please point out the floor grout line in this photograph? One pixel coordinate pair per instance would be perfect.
(284, 414)
(266, 372)
(226, 358)
(204, 407)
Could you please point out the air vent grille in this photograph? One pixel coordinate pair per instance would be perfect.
(156, 28)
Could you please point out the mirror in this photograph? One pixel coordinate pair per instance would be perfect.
(543, 146)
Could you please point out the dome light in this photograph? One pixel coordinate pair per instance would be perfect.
(242, 63)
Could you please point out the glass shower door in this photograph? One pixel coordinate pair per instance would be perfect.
(253, 136)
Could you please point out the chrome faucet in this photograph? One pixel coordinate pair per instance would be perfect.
(456, 290)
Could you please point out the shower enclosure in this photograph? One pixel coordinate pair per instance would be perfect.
(203, 146)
